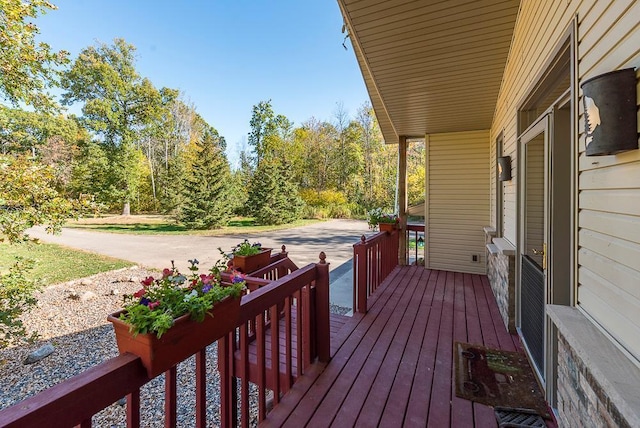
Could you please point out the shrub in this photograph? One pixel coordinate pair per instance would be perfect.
(325, 204)
(340, 211)
(16, 298)
(323, 198)
(315, 212)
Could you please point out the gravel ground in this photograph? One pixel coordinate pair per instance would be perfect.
(82, 338)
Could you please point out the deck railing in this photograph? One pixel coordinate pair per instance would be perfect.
(284, 327)
(415, 239)
(373, 259)
(279, 266)
(304, 292)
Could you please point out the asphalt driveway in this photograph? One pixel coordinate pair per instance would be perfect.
(304, 244)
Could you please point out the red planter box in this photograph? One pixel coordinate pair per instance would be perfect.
(184, 339)
(248, 264)
(387, 227)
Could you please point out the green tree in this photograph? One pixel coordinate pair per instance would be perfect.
(272, 190)
(16, 297)
(262, 125)
(171, 181)
(53, 139)
(28, 197)
(241, 181)
(320, 153)
(24, 131)
(27, 68)
(206, 190)
(118, 104)
(415, 173)
(380, 162)
(273, 195)
(270, 134)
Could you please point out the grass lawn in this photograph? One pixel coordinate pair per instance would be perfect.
(55, 264)
(157, 224)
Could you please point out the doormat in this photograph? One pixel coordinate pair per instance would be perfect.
(497, 378)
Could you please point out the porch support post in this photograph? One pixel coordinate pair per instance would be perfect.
(402, 198)
(323, 333)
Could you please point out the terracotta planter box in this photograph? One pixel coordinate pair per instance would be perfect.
(387, 227)
(247, 264)
(184, 339)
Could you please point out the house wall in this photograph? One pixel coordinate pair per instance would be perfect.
(457, 206)
(607, 285)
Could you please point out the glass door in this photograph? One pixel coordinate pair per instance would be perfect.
(533, 241)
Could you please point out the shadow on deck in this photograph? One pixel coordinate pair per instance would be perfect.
(394, 365)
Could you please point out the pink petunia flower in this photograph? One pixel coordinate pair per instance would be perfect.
(154, 305)
(139, 293)
(166, 272)
(147, 281)
(237, 277)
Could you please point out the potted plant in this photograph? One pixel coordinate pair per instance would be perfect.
(384, 221)
(173, 317)
(247, 257)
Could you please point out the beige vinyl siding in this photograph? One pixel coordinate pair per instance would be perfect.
(609, 186)
(539, 28)
(458, 188)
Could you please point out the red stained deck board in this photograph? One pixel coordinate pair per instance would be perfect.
(483, 416)
(418, 408)
(461, 409)
(363, 364)
(394, 410)
(355, 331)
(394, 365)
(378, 374)
(440, 407)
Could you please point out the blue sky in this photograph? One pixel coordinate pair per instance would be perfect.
(225, 55)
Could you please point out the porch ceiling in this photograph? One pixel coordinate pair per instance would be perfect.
(431, 66)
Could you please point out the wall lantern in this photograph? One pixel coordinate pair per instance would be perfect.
(504, 168)
(610, 111)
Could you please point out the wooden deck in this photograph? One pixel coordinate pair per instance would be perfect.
(336, 322)
(394, 366)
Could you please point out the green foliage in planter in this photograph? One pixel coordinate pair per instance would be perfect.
(153, 308)
(246, 248)
(376, 216)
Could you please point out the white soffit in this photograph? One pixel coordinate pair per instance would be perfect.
(431, 66)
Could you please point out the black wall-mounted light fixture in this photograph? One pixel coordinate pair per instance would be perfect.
(610, 111)
(504, 168)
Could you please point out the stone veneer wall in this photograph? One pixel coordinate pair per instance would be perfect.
(581, 401)
(501, 273)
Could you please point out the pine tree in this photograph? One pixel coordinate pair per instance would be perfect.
(273, 195)
(171, 182)
(206, 189)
